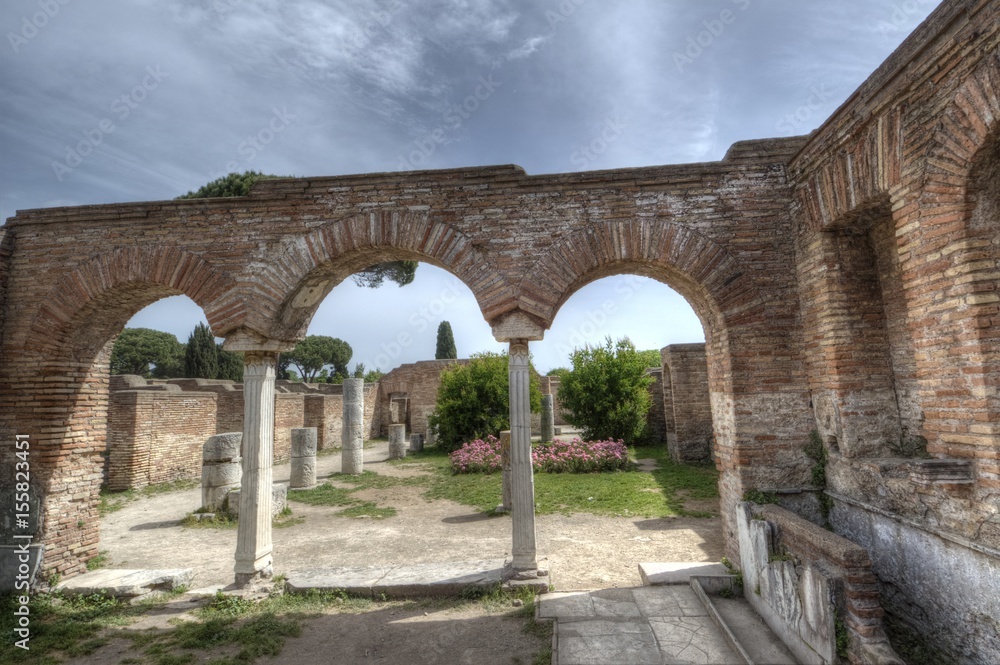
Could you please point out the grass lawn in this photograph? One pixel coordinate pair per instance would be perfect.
(659, 493)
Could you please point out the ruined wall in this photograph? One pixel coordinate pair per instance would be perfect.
(419, 383)
(157, 428)
(691, 408)
(655, 420)
(156, 435)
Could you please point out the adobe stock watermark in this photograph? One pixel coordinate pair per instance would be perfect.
(698, 43)
(122, 106)
(597, 318)
(32, 25)
(585, 155)
(563, 11)
(420, 319)
(255, 143)
(794, 123)
(902, 17)
(451, 120)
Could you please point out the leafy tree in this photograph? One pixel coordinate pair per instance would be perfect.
(473, 400)
(374, 375)
(312, 355)
(136, 349)
(561, 372)
(651, 358)
(230, 364)
(606, 392)
(201, 359)
(239, 184)
(445, 343)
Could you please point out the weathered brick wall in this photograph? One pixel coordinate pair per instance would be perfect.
(419, 383)
(847, 281)
(157, 428)
(655, 420)
(156, 436)
(687, 366)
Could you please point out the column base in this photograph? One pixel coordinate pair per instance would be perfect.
(538, 577)
(262, 570)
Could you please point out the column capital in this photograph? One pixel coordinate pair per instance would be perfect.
(250, 341)
(517, 327)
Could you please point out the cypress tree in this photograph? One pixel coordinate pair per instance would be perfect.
(445, 343)
(201, 360)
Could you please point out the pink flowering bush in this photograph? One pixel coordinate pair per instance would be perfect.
(576, 456)
(477, 456)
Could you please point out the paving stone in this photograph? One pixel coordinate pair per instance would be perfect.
(125, 583)
(430, 579)
(677, 572)
(604, 642)
(566, 606)
(692, 640)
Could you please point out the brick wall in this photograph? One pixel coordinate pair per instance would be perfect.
(687, 367)
(655, 419)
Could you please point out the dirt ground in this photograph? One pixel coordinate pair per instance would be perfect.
(582, 552)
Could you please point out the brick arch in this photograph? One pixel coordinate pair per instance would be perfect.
(705, 273)
(308, 267)
(143, 275)
(965, 257)
(856, 177)
(963, 131)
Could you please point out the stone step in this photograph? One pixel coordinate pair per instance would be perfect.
(422, 579)
(674, 572)
(126, 583)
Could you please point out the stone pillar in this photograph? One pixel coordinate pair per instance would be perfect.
(397, 441)
(304, 441)
(416, 443)
(352, 452)
(522, 477)
(548, 418)
(220, 469)
(253, 537)
(505, 471)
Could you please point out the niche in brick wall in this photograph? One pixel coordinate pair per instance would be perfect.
(873, 366)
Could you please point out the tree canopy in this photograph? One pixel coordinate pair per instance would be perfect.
(201, 359)
(239, 184)
(313, 354)
(473, 400)
(445, 343)
(137, 349)
(606, 392)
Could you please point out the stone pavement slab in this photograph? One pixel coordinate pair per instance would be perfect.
(126, 583)
(644, 625)
(425, 579)
(677, 572)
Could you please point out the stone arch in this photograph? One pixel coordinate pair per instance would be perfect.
(64, 360)
(758, 402)
(136, 276)
(306, 268)
(856, 177)
(709, 277)
(958, 235)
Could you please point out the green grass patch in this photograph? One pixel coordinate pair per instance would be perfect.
(98, 561)
(330, 495)
(660, 493)
(67, 626)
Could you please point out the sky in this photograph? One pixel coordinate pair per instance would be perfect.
(137, 100)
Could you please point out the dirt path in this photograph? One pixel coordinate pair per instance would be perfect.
(583, 552)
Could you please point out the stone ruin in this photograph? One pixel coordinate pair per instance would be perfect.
(847, 281)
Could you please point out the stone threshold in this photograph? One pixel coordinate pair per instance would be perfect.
(415, 580)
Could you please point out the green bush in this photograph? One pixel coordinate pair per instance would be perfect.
(473, 401)
(606, 393)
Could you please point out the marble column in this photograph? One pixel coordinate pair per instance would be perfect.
(253, 536)
(352, 440)
(522, 477)
(397, 441)
(505, 471)
(548, 418)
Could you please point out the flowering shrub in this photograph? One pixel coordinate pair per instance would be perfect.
(477, 456)
(574, 456)
(578, 456)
